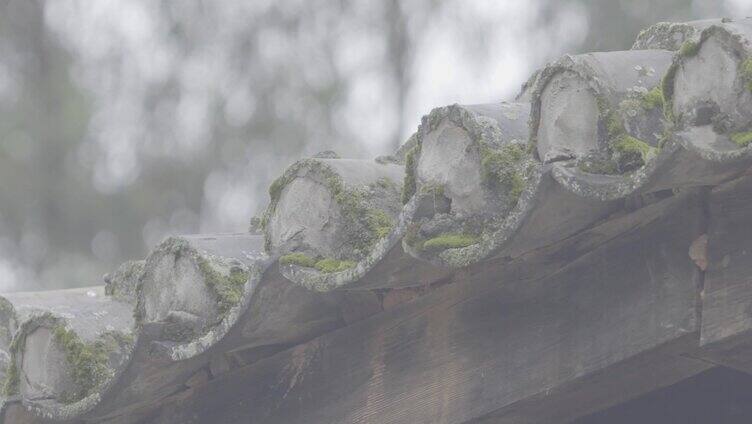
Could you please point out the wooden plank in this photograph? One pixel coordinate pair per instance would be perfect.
(726, 334)
(480, 345)
(611, 386)
(727, 301)
(717, 396)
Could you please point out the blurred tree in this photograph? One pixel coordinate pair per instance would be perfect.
(124, 122)
(615, 24)
(42, 119)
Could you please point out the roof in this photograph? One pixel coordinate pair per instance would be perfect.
(597, 146)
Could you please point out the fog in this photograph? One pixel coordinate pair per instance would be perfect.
(122, 123)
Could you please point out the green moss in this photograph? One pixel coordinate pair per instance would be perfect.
(631, 153)
(368, 224)
(628, 144)
(299, 259)
(604, 167)
(121, 284)
(516, 185)
(379, 223)
(88, 363)
(742, 139)
(349, 201)
(12, 375)
(689, 48)
(324, 265)
(746, 72)
(12, 379)
(333, 265)
(501, 167)
(409, 185)
(667, 88)
(610, 118)
(450, 241)
(614, 124)
(652, 99)
(7, 320)
(275, 189)
(361, 222)
(628, 152)
(227, 288)
(631, 107)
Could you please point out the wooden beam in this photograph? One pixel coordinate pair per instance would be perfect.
(726, 335)
(488, 346)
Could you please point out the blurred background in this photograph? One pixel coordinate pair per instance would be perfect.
(123, 122)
